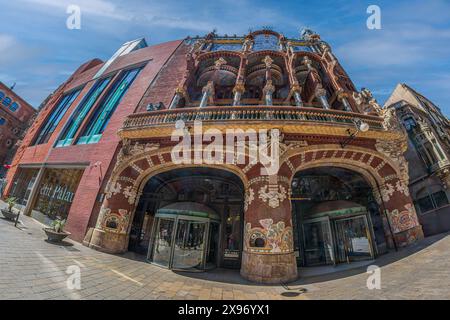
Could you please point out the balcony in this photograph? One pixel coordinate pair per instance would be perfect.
(306, 120)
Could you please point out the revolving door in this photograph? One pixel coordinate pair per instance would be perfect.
(185, 237)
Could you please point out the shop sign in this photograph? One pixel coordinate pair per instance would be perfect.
(57, 192)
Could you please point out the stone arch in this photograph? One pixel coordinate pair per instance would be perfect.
(377, 164)
(159, 160)
(382, 172)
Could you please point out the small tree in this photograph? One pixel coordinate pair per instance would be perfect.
(11, 201)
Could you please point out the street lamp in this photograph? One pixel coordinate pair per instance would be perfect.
(360, 126)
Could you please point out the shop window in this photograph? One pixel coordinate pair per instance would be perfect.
(432, 201)
(55, 194)
(22, 185)
(98, 122)
(55, 117)
(81, 112)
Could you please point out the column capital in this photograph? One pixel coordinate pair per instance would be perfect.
(239, 87)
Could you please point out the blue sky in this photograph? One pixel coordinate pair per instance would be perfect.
(38, 52)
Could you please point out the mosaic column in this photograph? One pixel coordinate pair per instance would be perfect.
(176, 99)
(207, 91)
(343, 98)
(268, 255)
(268, 90)
(238, 90)
(321, 95)
(296, 92)
(111, 232)
(400, 218)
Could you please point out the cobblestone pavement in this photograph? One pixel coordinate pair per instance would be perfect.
(31, 268)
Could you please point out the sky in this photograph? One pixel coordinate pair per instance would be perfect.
(38, 52)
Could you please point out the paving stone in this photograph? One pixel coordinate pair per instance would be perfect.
(31, 268)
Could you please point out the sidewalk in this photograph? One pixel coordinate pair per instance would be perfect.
(31, 268)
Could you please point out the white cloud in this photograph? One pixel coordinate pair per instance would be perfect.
(92, 7)
(12, 52)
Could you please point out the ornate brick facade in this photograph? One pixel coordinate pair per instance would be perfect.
(262, 81)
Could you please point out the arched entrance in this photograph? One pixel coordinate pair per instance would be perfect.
(195, 213)
(335, 216)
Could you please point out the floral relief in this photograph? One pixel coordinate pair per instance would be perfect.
(249, 197)
(271, 238)
(402, 188)
(116, 222)
(113, 189)
(387, 192)
(130, 193)
(403, 220)
(273, 195)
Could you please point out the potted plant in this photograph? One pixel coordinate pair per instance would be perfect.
(9, 214)
(56, 233)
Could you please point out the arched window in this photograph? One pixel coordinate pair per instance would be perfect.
(14, 106)
(2, 95)
(2, 121)
(6, 102)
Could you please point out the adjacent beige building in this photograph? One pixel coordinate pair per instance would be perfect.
(428, 156)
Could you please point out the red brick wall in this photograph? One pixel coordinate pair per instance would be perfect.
(19, 119)
(163, 87)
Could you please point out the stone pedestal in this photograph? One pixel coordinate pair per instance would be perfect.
(108, 242)
(269, 268)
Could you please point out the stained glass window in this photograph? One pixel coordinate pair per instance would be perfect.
(266, 42)
(55, 117)
(81, 112)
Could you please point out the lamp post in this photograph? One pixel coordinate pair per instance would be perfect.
(360, 126)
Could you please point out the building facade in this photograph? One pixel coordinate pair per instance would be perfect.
(428, 156)
(128, 158)
(16, 115)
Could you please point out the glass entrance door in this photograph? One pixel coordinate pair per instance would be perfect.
(318, 242)
(189, 246)
(162, 242)
(184, 243)
(353, 240)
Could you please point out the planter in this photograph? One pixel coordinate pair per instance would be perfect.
(9, 215)
(54, 236)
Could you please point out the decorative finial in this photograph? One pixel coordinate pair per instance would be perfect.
(268, 61)
(220, 62)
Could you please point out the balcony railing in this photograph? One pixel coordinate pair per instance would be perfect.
(245, 114)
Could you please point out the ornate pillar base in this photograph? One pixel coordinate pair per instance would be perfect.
(269, 268)
(409, 236)
(108, 242)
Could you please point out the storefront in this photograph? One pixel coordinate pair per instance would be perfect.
(335, 217)
(48, 193)
(190, 219)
